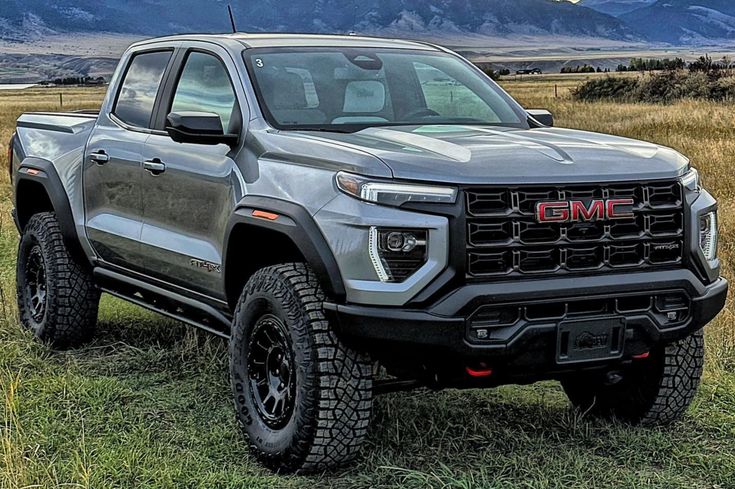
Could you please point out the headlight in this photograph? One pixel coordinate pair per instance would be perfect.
(708, 235)
(390, 193)
(691, 180)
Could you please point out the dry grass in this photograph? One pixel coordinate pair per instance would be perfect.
(148, 405)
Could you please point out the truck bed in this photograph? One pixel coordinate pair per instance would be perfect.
(64, 122)
(53, 136)
(58, 138)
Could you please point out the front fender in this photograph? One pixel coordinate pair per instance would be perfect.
(297, 224)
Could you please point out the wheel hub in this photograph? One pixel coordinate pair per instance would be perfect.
(36, 286)
(271, 371)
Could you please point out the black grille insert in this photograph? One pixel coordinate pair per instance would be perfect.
(504, 238)
(499, 322)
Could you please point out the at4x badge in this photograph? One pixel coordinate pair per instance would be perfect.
(208, 266)
(579, 211)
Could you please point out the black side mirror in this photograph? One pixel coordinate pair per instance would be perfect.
(198, 128)
(542, 116)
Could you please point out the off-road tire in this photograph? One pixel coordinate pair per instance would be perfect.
(655, 391)
(332, 383)
(68, 317)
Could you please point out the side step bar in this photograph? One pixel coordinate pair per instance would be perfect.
(165, 302)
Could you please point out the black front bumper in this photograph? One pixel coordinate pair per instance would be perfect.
(450, 326)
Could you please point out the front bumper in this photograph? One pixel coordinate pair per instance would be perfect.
(448, 326)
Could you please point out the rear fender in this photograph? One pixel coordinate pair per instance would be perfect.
(42, 172)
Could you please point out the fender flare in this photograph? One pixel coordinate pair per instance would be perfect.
(44, 173)
(299, 226)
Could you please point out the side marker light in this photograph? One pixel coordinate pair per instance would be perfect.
(265, 215)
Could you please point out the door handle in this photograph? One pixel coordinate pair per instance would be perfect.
(100, 157)
(154, 166)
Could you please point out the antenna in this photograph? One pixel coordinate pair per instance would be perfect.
(232, 19)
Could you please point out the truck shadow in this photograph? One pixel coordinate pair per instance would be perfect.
(513, 432)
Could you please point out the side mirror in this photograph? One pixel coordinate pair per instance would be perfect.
(198, 128)
(542, 116)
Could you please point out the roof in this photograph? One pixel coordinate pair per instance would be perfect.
(297, 40)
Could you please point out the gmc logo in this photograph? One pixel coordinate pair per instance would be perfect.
(576, 210)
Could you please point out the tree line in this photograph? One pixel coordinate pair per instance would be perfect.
(702, 64)
(76, 80)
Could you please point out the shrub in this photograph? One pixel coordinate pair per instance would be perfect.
(608, 88)
(663, 87)
(578, 69)
(724, 89)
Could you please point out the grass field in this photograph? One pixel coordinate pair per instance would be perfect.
(147, 404)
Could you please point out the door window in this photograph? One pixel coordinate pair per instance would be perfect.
(139, 88)
(204, 86)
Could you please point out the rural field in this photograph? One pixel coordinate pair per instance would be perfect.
(147, 404)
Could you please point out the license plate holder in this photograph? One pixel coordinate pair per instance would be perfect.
(589, 340)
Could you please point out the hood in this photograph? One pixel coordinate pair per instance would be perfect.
(495, 155)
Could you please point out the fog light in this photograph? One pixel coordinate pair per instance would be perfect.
(401, 242)
(396, 254)
(708, 235)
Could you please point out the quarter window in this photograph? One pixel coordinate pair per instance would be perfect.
(139, 88)
(204, 86)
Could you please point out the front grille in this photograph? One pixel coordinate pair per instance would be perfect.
(504, 239)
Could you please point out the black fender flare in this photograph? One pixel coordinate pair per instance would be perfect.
(299, 226)
(43, 172)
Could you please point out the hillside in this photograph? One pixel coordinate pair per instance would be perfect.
(616, 7)
(28, 19)
(685, 21)
(83, 37)
(680, 22)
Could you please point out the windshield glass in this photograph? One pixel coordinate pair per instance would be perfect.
(351, 89)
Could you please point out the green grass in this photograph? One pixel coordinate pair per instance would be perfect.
(147, 404)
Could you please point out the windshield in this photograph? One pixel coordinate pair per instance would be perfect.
(336, 89)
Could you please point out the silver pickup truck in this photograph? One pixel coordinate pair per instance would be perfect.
(331, 204)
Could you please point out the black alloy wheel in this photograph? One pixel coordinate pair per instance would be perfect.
(36, 284)
(272, 371)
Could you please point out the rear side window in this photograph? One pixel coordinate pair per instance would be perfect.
(139, 88)
(204, 86)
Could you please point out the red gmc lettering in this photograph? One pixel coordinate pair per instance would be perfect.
(577, 210)
(594, 212)
(553, 211)
(614, 213)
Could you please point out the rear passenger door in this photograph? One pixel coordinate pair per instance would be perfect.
(113, 160)
(188, 204)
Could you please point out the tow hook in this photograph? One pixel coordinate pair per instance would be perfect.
(481, 370)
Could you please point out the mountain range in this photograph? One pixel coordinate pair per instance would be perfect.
(685, 21)
(616, 7)
(670, 21)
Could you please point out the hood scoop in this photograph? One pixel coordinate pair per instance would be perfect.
(416, 142)
(547, 149)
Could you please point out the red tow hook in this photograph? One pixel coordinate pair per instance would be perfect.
(482, 371)
(642, 356)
